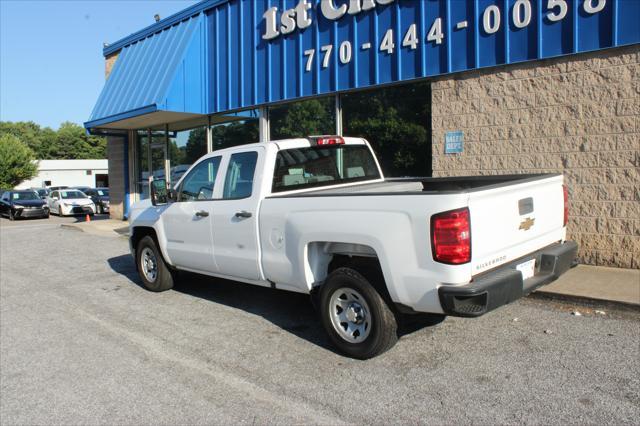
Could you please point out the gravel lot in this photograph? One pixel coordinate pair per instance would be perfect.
(82, 342)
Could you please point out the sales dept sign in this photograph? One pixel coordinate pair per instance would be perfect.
(453, 142)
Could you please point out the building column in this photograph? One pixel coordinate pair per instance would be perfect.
(263, 124)
(338, 112)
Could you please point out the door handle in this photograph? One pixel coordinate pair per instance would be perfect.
(243, 213)
(202, 213)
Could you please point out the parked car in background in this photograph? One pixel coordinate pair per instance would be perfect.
(81, 188)
(53, 188)
(100, 197)
(42, 192)
(23, 204)
(65, 202)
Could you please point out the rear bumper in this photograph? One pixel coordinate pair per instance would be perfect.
(505, 284)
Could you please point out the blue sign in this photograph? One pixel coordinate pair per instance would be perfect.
(453, 142)
(225, 55)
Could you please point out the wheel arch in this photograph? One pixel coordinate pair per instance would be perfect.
(324, 257)
(139, 232)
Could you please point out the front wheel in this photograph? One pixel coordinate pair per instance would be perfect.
(356, 317)
(152, 269)
(11, 215)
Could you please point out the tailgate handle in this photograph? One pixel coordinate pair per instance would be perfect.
(525, 206)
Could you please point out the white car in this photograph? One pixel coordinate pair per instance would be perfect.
(65, 202)
(317, 216)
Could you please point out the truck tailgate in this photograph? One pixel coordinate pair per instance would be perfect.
(511, 221)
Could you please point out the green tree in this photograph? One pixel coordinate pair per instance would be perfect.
(16, 161)
(301, 119)
(395, 121)
(68, 142)
(196, 145)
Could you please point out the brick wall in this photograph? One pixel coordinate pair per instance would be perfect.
(578, 115)
(109, 62)
(115, 154)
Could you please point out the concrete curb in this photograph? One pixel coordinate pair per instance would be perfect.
(591, 302)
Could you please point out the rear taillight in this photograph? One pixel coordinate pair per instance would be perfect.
(451, 236)
(565, 193)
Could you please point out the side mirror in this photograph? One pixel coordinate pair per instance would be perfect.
(159, 192)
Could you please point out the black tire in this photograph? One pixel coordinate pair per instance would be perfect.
(11, 216)
(46, 216)
(164, 278)
(382, 330)
(99, 209)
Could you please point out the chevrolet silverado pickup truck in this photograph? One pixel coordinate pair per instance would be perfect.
(316, 215)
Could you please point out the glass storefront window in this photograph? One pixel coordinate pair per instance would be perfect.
(301, 119)
(395, 120)
(240, 130)
(185, 148)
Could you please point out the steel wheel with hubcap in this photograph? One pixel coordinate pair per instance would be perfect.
(355, 315)
(153, 271)
(149, 264)
(350, 315)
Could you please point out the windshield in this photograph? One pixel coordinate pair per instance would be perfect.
(66, 195)
(26, 195)
(42, 192)
(312, 167)
(103, 192)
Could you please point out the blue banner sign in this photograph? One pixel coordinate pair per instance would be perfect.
(453, 142)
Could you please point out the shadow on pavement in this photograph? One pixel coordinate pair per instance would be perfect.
(292, 312)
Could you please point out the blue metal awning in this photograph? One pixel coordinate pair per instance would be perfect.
(160, 78)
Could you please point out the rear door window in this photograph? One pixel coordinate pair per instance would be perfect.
(239, 180)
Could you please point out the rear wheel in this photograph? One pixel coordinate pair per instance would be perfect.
(152, 269)
(356, 317)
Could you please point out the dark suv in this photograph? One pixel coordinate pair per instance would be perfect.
(100, 197)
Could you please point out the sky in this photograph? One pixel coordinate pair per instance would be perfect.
(51, 63)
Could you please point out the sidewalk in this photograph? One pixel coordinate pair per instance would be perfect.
(597, 283)
(103, 228)
(582, 283)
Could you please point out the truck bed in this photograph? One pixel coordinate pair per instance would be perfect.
(423, 185)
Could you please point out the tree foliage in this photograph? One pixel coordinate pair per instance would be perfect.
(16, 161)
(395, 121)
(69, 142)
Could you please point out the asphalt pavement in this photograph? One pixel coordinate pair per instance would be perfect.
(82, 342)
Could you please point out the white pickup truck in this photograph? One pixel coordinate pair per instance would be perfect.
(316, 215)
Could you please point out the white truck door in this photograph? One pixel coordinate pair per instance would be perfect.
(188, 221)
(235, 222)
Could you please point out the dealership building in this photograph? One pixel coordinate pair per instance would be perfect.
(438, 87)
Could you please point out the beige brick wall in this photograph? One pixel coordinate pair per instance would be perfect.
(579, 115)
(115, 154)
(109, 62)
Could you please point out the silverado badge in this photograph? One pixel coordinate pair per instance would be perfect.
(527, 223)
